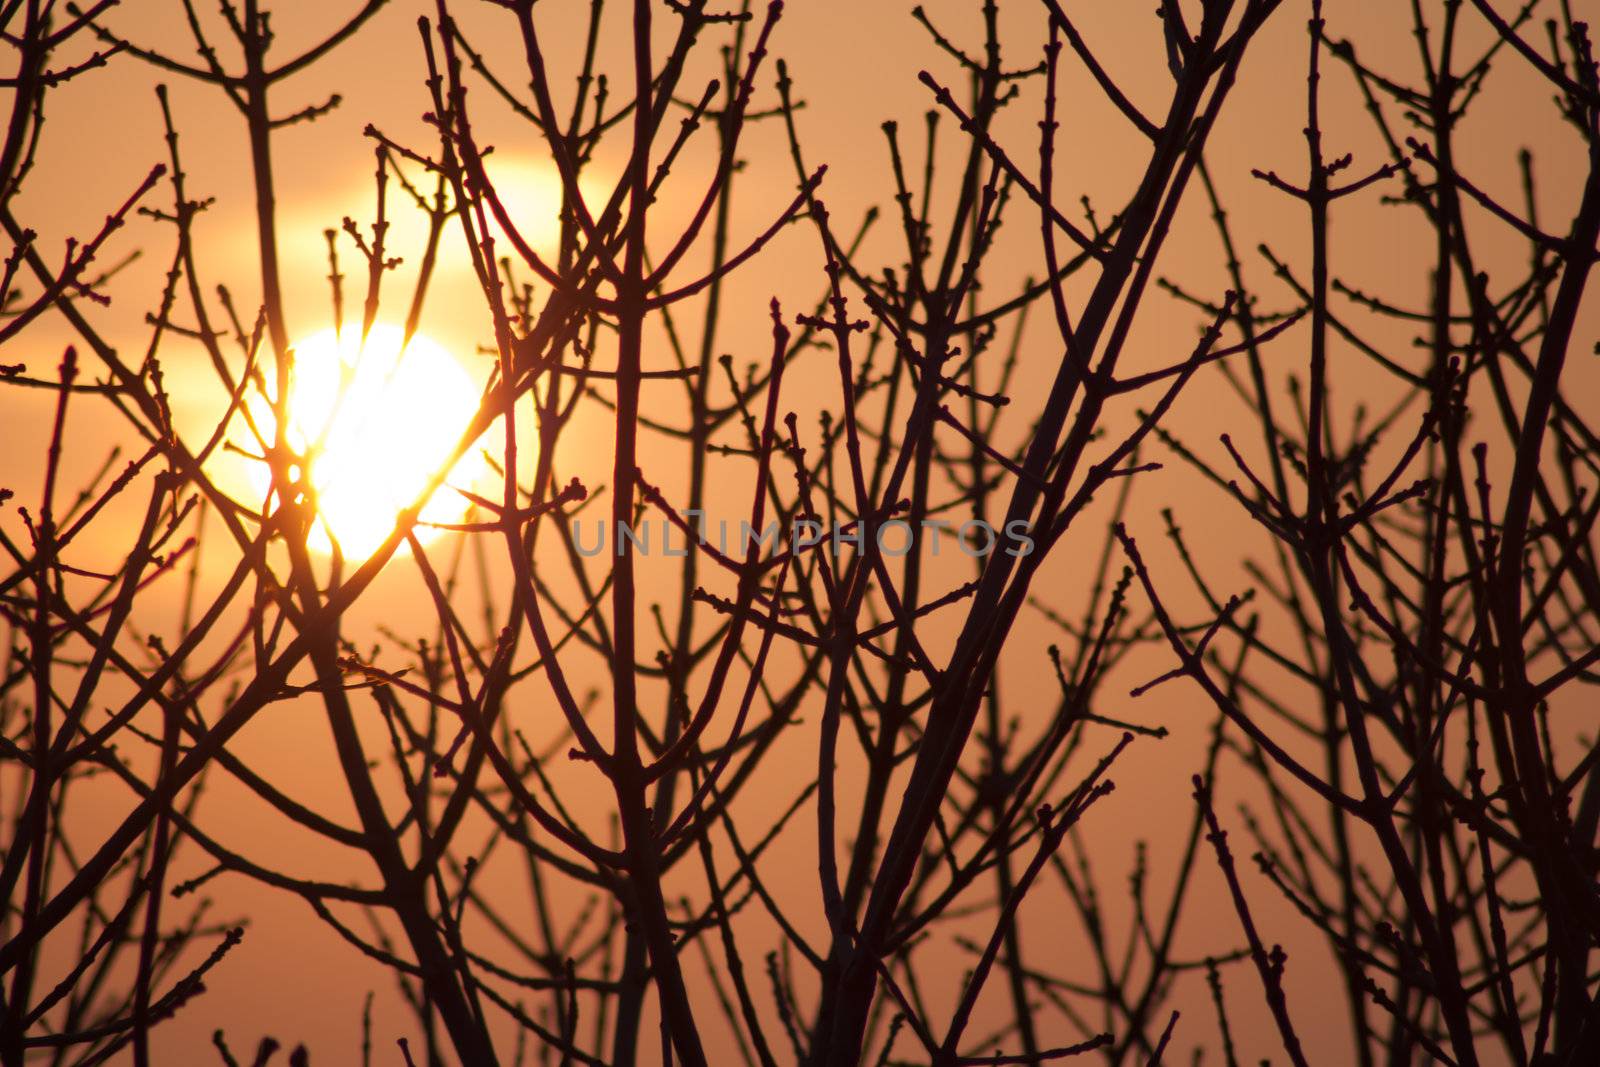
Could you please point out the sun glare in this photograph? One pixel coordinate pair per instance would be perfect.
(380, 420)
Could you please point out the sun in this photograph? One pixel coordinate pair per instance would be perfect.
(378, 417)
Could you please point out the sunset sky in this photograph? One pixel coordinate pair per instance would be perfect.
(855, 65)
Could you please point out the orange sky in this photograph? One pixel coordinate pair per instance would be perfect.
(855, 65)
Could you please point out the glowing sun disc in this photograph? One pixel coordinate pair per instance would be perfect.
(384, 420)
